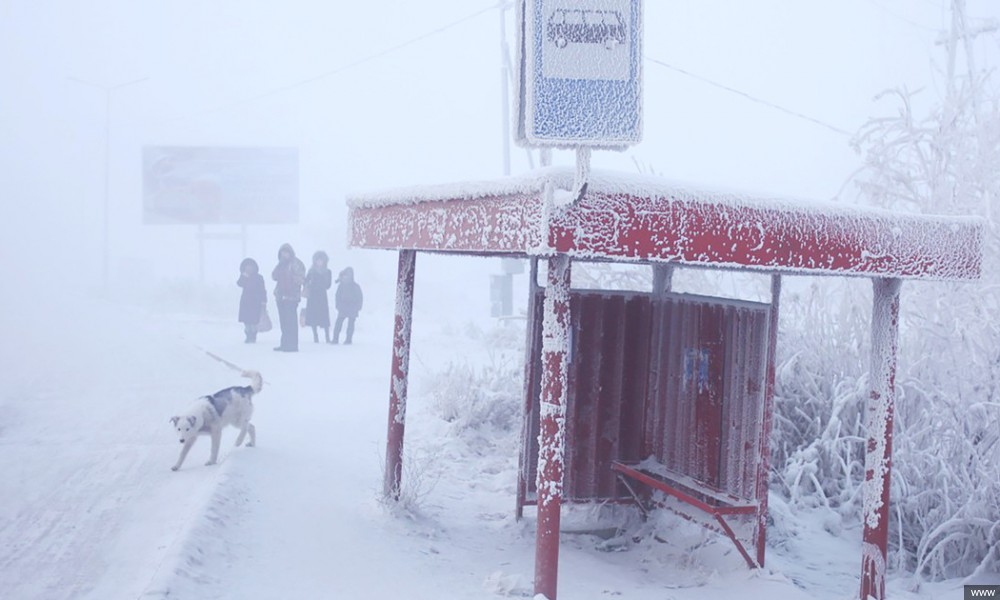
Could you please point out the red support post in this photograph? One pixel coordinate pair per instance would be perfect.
(400, 372)
(878, 423)
(555, 362)
(767, 422)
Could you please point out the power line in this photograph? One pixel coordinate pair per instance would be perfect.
(906, 20)
(340, 69)
(750, 97)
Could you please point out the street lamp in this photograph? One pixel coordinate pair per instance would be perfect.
(107, 89)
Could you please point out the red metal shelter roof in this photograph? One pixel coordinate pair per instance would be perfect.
(627, 218)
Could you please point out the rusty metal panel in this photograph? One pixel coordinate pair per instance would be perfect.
(527, 463)
(746, 332)
(607, 392)
(678, 378)
(707, 398)
(706, 386)
(533, 387)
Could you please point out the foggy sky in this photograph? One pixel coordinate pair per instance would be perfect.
(427, 113)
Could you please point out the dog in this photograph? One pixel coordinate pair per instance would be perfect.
(210, 415)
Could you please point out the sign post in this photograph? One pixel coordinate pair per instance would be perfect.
(579, 87)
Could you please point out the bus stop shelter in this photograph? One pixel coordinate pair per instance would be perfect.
(660, 396)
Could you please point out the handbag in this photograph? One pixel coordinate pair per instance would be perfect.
(265, 321)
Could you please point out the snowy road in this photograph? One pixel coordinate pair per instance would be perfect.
(90, 508)
(87, 510)
(298, 516)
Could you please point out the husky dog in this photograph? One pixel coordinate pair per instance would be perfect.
(210, 414)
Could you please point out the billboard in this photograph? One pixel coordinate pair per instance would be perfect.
(580, 73)
(220, 185)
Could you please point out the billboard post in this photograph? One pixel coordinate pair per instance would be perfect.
(203, 186)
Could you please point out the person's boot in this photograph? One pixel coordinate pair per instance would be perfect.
(315, 336)
(326, 334)
(246, 337)
(253, 337)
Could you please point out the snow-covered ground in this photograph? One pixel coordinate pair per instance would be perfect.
(90, 509)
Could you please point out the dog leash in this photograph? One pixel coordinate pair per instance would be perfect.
(231, 365)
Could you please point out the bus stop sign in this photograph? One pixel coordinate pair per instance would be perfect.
(580, 73)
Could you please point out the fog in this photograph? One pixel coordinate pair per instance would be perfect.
(105, 320)
(386, 93)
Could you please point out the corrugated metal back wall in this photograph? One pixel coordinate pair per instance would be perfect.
(691, 397)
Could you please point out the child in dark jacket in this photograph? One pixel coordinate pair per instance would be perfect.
(253, 299)
(349, 300)
(318, 281)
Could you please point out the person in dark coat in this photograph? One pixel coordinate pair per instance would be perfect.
(253, 299)
(318, 281)
(349, 300)
(288, 276)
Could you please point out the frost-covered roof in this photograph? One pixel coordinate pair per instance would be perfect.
(640, 218)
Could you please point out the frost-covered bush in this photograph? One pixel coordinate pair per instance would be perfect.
(945, 502)
(945, 484)
(946, 478)
(817, 443)
(946, 496)
(490, 395)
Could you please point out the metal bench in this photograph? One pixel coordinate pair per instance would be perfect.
(715, 503)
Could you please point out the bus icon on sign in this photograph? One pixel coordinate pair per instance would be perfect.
(579, 26)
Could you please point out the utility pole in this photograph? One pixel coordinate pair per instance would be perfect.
(960, 37)
(106, 225)
(505, 75)
(964, 34)
(502, 286)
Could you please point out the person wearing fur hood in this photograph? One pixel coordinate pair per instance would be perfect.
(253, 299)
(288, 275)
(318, 281)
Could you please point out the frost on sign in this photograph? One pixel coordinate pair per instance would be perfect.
(586, 43)
(581, 75)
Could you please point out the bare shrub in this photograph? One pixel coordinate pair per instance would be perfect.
(418, 480)
(489, 395)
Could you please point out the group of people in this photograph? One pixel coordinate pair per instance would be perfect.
(292, 283)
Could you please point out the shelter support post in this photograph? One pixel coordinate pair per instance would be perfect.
(400, 372)
(529, 366)
(552, 413)
(767, 422)
(663, 278)
(878, 423)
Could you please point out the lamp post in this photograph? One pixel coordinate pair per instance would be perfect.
(107, 89)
